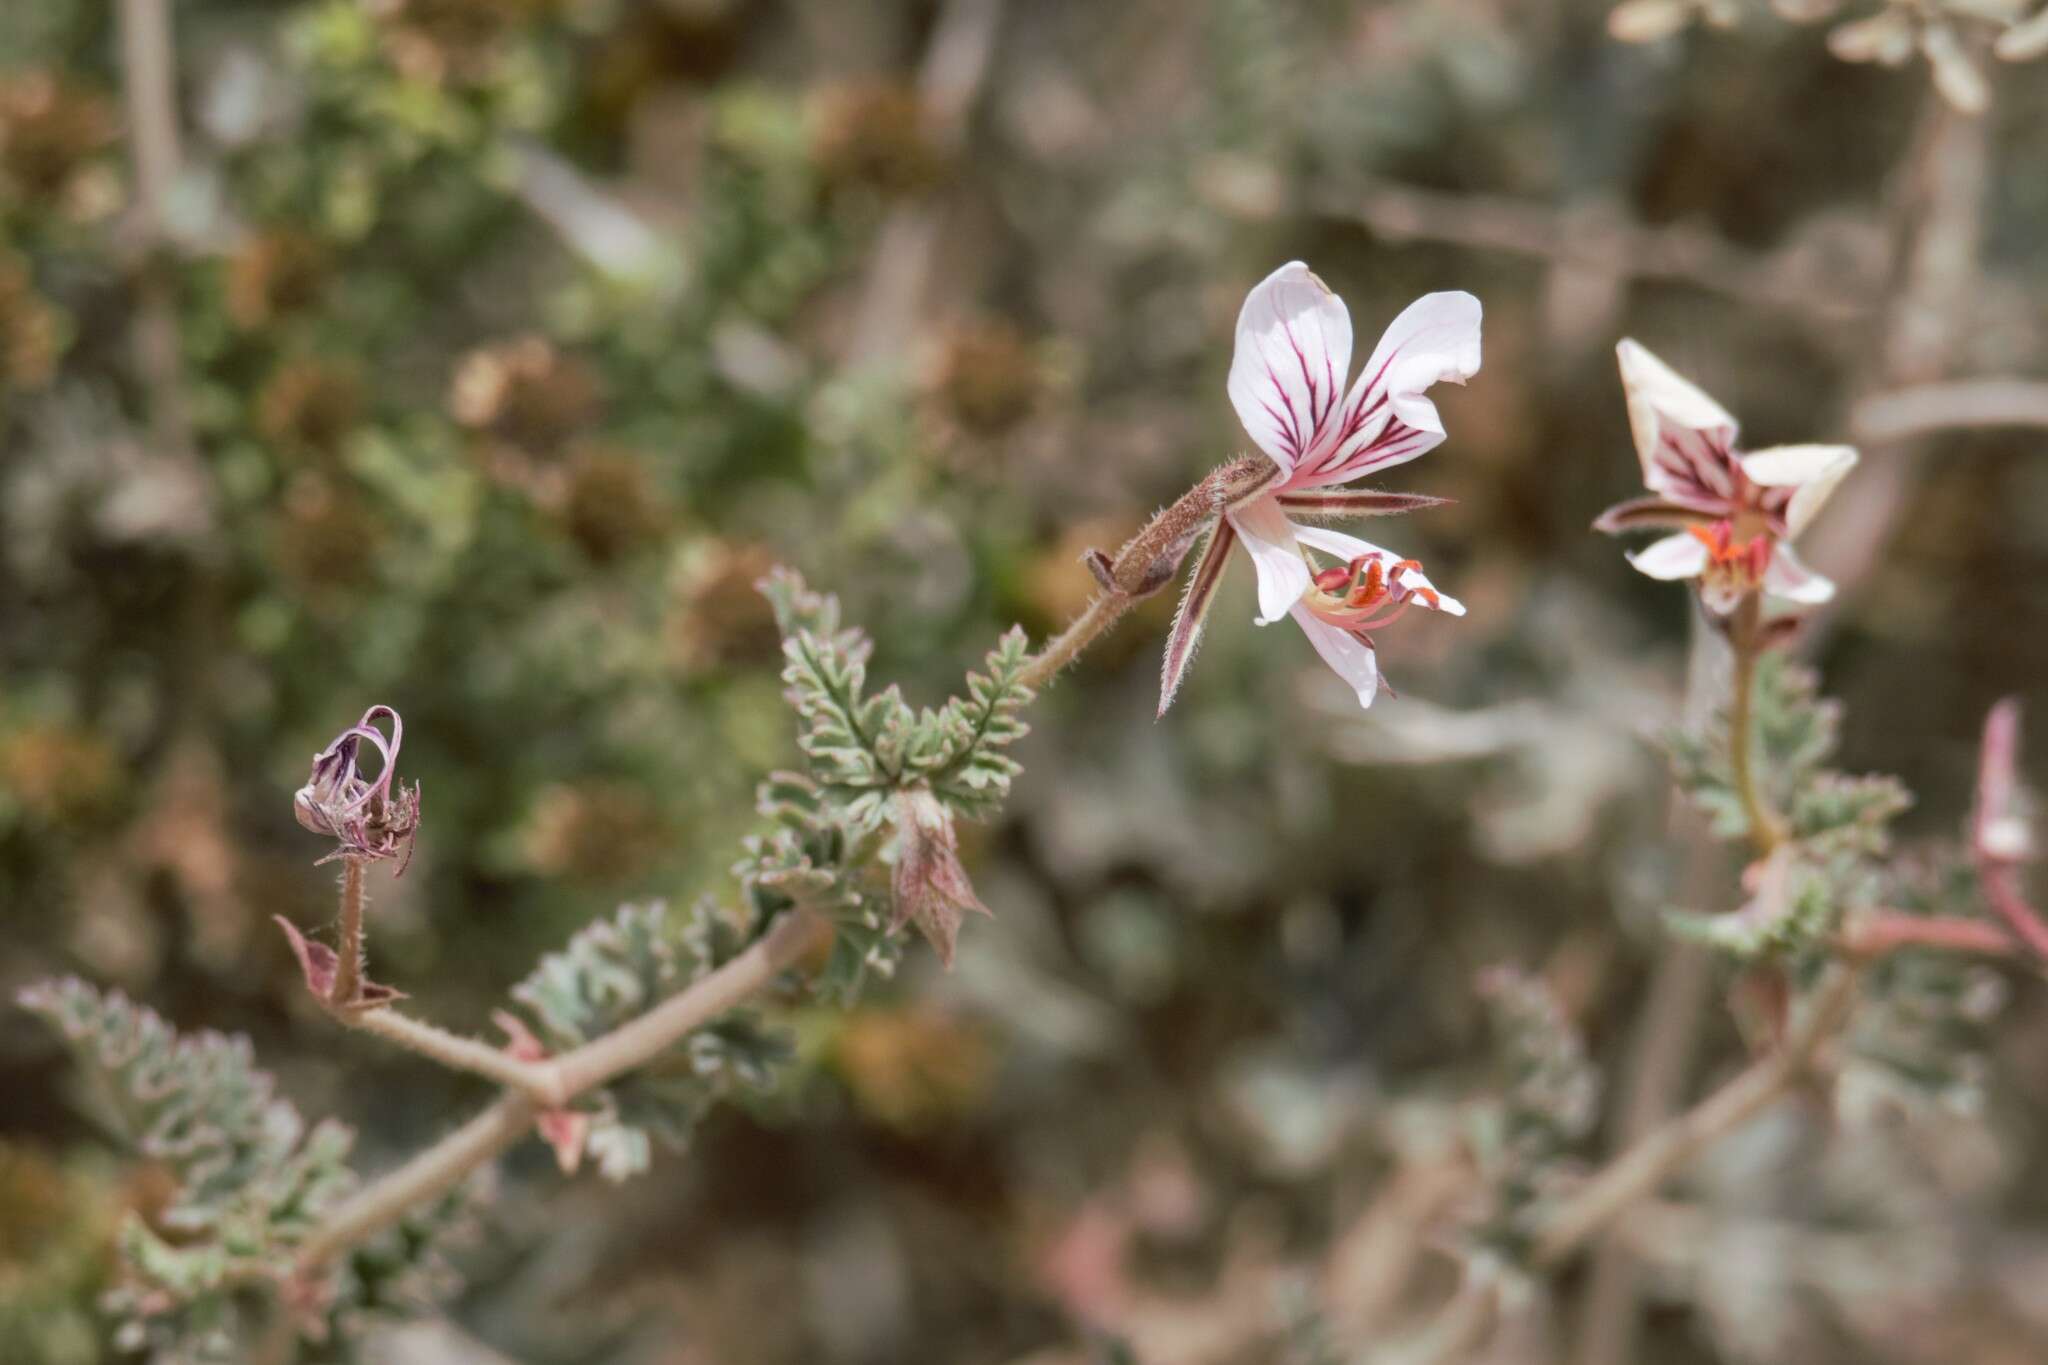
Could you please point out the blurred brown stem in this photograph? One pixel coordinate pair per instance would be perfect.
(1639, 1171)
(1926, 408)
(1598, 237)
(149, 95)
(1884, 931)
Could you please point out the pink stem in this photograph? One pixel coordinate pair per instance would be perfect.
(1888, 930)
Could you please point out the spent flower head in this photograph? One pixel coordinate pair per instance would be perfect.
(931, 887)
(1287, 382)
(369, 818)
(1733, 515)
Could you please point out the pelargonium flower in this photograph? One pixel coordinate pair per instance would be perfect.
(1287, 382)
(1735, 514)
(370, 819)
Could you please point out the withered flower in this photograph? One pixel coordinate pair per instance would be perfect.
(309, 408)
(611, 506)
(324, 537)
(876, 136)
(370, 818)
(459, 40)
(48, 130)
(715, 616)
(524, 394)
(931, 887)
(272, 275)
(31, 331)
(990, 377)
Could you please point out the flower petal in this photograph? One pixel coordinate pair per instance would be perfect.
(1194, 606)
(1387, 419)
(1681, 556)
(1293, 351)
(1348, 548)
(1788, 577)
(1270, 538)
(1349, 655)
(1812, 471)
(1684, 438)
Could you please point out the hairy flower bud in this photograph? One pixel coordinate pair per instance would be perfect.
(930, 885)
(370, 819)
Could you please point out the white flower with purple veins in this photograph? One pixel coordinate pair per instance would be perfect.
(1287, 382)
(1734, 514)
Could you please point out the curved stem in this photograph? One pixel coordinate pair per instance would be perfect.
(427, 1176)
(1099, 615)
(458, 1053)
(1638, 1172)
(553, 1084)
(1746, 636)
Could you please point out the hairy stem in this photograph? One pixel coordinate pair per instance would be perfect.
(1099, 615)
(1148, 561)
(458, 1053)
(348, 952)
(639, 1041)
(426, 1177)
(1746, 635)
(555, 1083)
(1638, 1172)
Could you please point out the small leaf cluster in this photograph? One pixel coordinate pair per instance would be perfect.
(614, 971)
(1837, 825)
(1543, 1106)
(861, 750)
(815, 857)
(861, 747)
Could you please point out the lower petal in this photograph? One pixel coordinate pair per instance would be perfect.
(1789, 578)
(1681, 556)
(1351, 657)
(1270, 538)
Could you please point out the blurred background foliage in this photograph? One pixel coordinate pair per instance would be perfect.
(476, 357)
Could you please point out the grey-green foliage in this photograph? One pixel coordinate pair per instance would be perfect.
(618, 969)
(1796, 733)
(815, 857)
(1837, 824)
(250, 1176)
(251, 1180)
(1546, 1100)
(861, 748)
(823, 845)
(1921, 1029)
(1802, 898)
